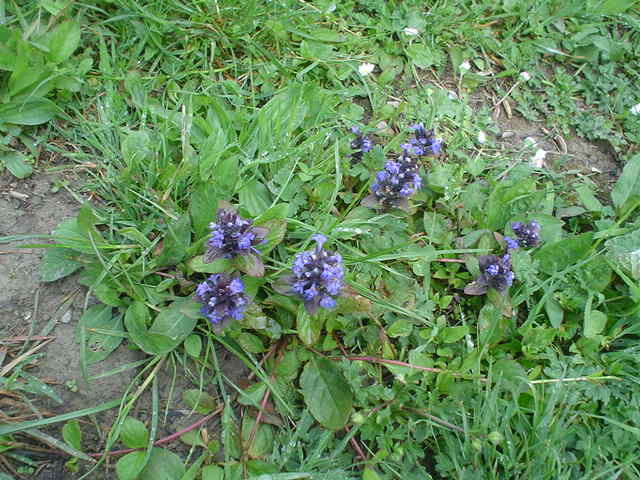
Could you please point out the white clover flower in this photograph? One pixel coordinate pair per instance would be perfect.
(538, 159)
(465, 65)
(482, 137)
(530, 142)
(366, 68)
(410, 31)
(526, 76)
(635, 110)
(452, 95)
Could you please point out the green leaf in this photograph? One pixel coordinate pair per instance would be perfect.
(369, 474)
(57, 263)
(202, 208)
(199, 401)
(176, 241)
(400, 328)
(508, 370)
(263, 438)
(255, 197)
(172, 325)
(134, 434)
(174, 322)
(163, 465)
(613, 7)
(103, 332)
(423, 56)
(309, 326)
(628, 185)
(63, 41)
(16, 163)
(326, 393)
(136, 148)
(594, 323)
(559, 255)
(277, 230)
(130, 466)
(193, 345)
(554, 312)
(624, 251)
(277, 212)
(212, 472)
(30, 111)
(251, 264)
(453, 334)
(196, 264)
(72, 435)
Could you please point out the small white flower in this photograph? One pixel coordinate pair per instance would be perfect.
(482, 137)
(410, 31)
(366, 68)
(538, 159)
(525, 76)
(465, 65)
(635, 110)
(452, 95)
(530, 142)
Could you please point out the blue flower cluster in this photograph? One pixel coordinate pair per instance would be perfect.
(317, 277)
(495, 272)
(528, 234)
(423, 142)
(361, 144)
(394, 184)
(222, 298)
(232, 235)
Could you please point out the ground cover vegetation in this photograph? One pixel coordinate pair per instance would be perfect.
(321, 189)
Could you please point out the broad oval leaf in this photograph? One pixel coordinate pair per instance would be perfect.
(63, 41)
(326, 393)
(163, 465)
(34, 111)
(169, 329)
(103, 332)
(130, 466)
(628, 185)
(134, 434)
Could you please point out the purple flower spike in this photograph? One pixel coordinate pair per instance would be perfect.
(424, 142)
(231, 235)
(317, 277)
(395, 183)
(361, 144)
(528, 235)
(511, 243)
(222, 298)
(495, 271)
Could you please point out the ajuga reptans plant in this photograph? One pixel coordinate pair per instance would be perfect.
(222, 298)
(316, 277)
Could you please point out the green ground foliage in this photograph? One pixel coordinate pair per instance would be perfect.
(173, 106)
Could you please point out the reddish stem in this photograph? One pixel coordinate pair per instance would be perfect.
(448, 260)
(263, 405)
(356, 445)
(166, 439)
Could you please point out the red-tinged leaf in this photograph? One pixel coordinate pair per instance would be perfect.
(250, 264)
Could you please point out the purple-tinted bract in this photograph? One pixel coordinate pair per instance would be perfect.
(424, 142)
(361, 144)
(397, 181)
(231, 235)
(317, 277)
(528, 234)
(222, 298)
